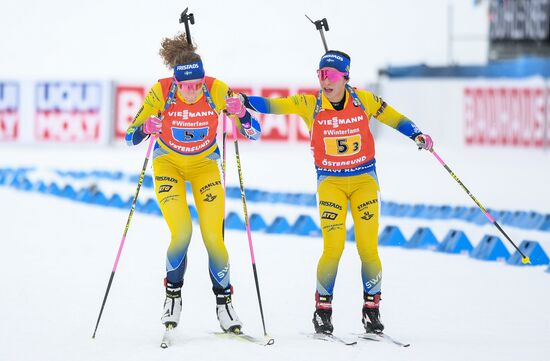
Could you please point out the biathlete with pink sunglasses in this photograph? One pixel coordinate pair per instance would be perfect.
(343, 150)
(186, 151)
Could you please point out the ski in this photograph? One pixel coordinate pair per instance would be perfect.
(265, 341)
(168, 337)
(331, 338)
(382, 337)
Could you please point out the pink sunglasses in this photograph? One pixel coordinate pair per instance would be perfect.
(330, 74)
(189, 85)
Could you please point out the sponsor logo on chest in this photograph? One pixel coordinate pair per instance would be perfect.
(186, 114)
(335, 122)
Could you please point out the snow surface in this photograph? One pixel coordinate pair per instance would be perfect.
(57, 256)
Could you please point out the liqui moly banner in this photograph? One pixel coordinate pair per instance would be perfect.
(72, 111)
(513, 114)
(129, 97)
(10, 95)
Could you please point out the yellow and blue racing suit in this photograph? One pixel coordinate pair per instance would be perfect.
(343, 150)
(186, 151)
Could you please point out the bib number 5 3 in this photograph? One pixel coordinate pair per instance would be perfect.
(340, 146)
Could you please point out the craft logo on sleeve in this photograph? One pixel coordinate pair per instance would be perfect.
(68, 111)
(9, 111)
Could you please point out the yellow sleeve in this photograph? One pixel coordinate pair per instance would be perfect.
(218, 92)
(383, 112)
(153, 103)
(379, 109)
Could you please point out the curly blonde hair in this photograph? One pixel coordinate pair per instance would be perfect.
(176, 51)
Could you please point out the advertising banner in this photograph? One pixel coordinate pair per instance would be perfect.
(9, 111)
(505, 114)
(476, 112)
(275, 128)
(128, 99)
(71, 111)
(459, 112)
(55, 111)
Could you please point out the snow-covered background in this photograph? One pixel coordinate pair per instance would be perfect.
(57, 256)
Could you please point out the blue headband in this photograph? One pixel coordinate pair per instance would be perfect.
(336, 61)
(189, 71)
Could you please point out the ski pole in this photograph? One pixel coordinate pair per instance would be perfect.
(168, 102)
(184, 18)
(525, 259)
(319, 25)
(224, 158)
(247, 224)
(140, 182)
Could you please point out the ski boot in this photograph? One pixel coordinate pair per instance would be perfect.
(322, 317)
(229, 321)
(371, 314)
(172, 304)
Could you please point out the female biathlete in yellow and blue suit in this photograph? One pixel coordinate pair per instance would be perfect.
(186, 151)
(343, 149)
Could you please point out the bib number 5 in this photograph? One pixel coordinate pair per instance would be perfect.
(189, 135)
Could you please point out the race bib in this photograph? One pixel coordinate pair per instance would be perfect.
(343, 146)
(189, 135)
